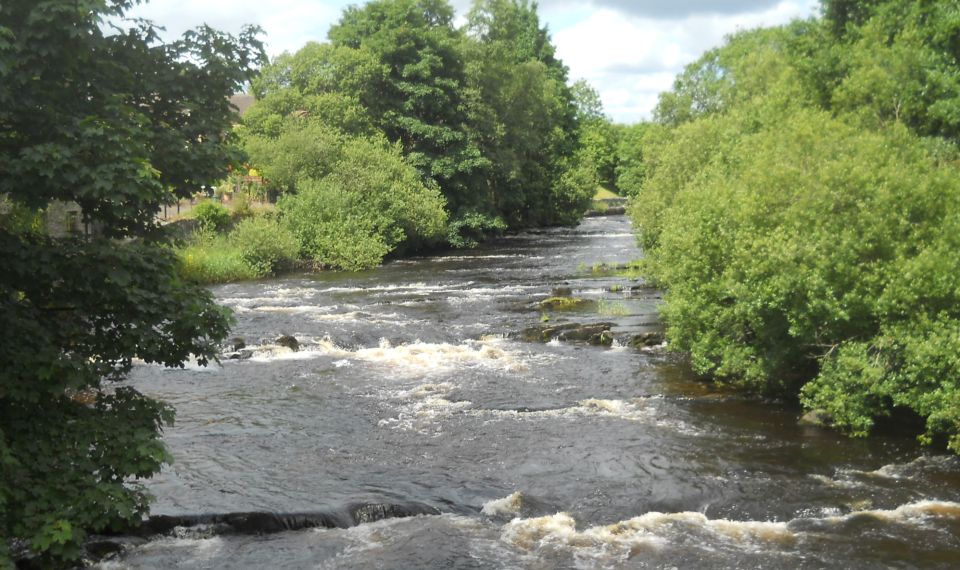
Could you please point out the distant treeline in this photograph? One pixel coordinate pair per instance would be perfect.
(798, 198)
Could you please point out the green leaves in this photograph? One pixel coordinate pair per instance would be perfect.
(799, 202)
(110, 123)
(370, 204)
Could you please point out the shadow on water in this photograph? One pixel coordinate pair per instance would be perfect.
(411, 390)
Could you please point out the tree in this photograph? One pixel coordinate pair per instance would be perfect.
(523, 117)
(333, 86)
(630, 166)
(598, 136)
(419, 102)
(117, 123)
(841, 14)
(369, 204)
(587, 100)
(798, 201)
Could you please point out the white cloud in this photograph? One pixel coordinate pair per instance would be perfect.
(288, 24)
(630, 60)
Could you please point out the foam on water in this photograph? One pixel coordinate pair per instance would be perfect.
(648, 531)
(835, 483)
(908, 513)
(424, 407)
(918, 466)
(419, 287)
(656, 529)
(294, 309)
(414, 358)
(592, 407)
(509, 505)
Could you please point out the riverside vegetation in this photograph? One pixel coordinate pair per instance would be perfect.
(798, 199)
(404, 133)
(94, 115)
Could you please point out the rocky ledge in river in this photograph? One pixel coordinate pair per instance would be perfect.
(593, 333)
(598, 334)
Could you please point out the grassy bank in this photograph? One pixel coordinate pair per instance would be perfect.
(236, 246)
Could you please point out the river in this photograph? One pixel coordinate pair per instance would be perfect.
(411, 394)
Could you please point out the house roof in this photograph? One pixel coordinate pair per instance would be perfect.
(242, 102)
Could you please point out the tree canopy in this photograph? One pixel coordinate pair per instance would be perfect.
(117, 122)
(483, 112)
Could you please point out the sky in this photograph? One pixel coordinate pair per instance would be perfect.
(628, 50)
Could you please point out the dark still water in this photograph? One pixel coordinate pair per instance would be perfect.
(410, 394)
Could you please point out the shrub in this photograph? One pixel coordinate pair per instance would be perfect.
(264, 245)
(241, 206)
(211, 216)
(371, 204)
(814, 250)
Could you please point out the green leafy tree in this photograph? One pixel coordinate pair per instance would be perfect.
(523, 117)
(630, 169)
(302, 150)
(587, 101)
(598, 136)
(114, 122)
(904, 67)
(799, 203)
(320, 83)
(844, 14)
(419, 102)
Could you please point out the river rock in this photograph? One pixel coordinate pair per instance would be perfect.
(563, 303)
(289, 342)
(594, 333)
(240, 355)
(101, 547)
(238, 343)
(561, 292)
(817, 417)
(646, 339)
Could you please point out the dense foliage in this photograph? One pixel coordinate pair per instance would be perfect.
(482, 114)
(113, 121)
(369, 205)
(211, 216)
(799, 196)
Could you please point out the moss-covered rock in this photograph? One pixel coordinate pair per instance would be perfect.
(563, 303)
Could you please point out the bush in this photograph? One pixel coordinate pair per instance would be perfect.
(371, 204)
(815, 250)
(211, 216)
(264, 245)
(241, 206)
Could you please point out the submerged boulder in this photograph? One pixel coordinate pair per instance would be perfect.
(815, 417)
(243, 354)
(646, 339)
(561, 292)
(289, 342)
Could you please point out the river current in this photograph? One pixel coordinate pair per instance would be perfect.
(411, 393)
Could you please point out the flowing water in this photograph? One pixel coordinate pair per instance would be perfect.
(409, 395)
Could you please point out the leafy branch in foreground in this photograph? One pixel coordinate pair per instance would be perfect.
(116, 123)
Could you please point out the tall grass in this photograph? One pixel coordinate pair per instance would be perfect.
(214, 258)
